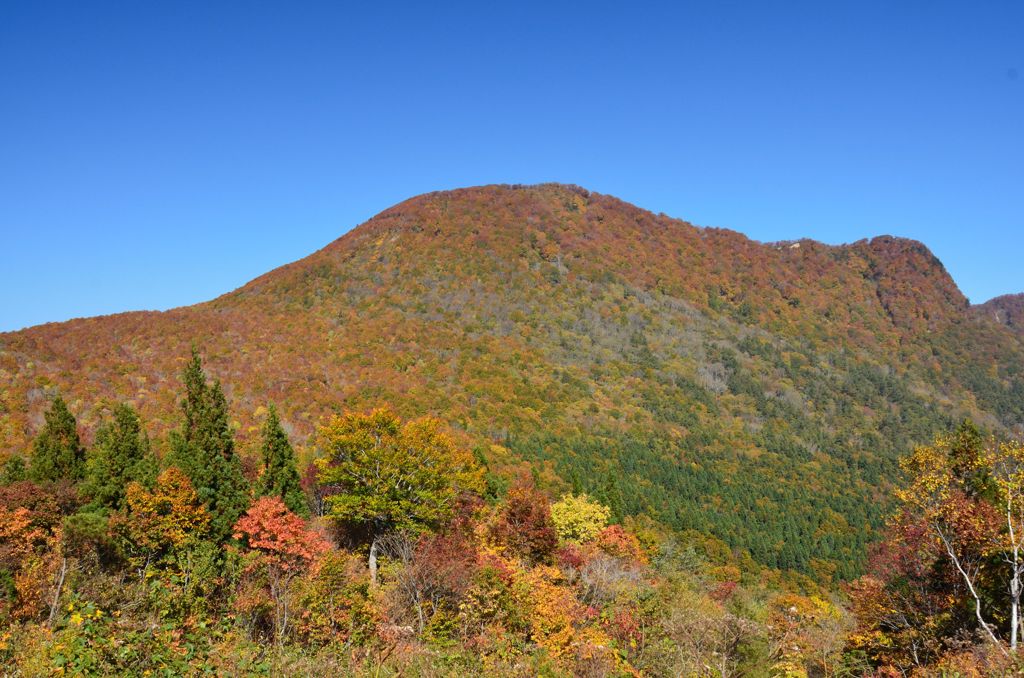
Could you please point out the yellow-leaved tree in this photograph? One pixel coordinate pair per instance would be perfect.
(971, 497)
(578, 518)
(385, 475)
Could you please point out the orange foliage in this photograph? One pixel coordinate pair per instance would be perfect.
(616, 541)
(283, 538)
(156, 522)
(34, 556)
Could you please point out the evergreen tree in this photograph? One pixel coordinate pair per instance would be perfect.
(14, 470)
(57, 453)
(120, 455)
(280, 478)
(204, 449)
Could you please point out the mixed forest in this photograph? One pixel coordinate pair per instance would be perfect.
(524, 431)
(395, 550)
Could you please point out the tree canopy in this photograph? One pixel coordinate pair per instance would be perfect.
(120, 455)
(57, 453)
(280, 477)
(390, 475)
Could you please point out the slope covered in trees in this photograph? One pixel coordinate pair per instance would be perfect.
(759, 394)
(1007, 309)
(412, 562)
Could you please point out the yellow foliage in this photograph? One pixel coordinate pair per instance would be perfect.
(578, 518)
(168, 517)
(552, 610)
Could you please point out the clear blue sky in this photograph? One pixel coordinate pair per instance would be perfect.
(155, 154)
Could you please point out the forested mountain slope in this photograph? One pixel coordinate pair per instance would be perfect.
(1007, 309)
(759, 393)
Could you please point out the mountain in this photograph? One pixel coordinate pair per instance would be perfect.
(759, 394)
(1007, 310)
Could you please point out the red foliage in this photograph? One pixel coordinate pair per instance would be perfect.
(282, 537)
(524, 523)
(626, 627)
(30, 535)
(570, 557)
(444, 564)
(723, 591)
(911, 551)
(499, 567)
(442, 569)
(47, 503)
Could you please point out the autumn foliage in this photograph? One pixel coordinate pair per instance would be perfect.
(583, 336)
(710, 428)
(944, 588)
(283, 539)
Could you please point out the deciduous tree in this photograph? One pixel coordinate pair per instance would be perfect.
(523, 523)
(391, 475)
(156, 523)
(286, 548)
(578, 518)
(964, 525)
(1004, 464)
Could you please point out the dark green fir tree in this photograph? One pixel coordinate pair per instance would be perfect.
(13, 470)
(280, 478)
(57, 452)
(120, 455)
(204, 449)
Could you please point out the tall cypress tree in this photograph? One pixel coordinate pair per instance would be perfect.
(57, 452)
(280, 478)
(120, 455)
(204, 448)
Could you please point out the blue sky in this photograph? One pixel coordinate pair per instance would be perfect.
(159, 154)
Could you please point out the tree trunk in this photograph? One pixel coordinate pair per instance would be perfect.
(374, 545)
(282, 613)
(1015, 583)
(1015, 591)
(970, 587)
(1013, 624)
(419, 612)
(56, 594)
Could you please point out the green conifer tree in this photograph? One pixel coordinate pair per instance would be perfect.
(120, 455)
(280, 477)
(14, 470)
(204, 449)
(57, 453)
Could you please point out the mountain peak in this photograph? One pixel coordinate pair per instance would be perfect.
(567, 232)
(912, 284)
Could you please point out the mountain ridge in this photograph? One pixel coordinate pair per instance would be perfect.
(878, 243)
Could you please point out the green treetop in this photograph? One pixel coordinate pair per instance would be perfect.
(57, 453)
(204, 449)
(280, 478)
(120, 455)
(391, 476)
(13, 470)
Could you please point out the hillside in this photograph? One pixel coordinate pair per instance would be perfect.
(759, 393)
(1007, 309)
